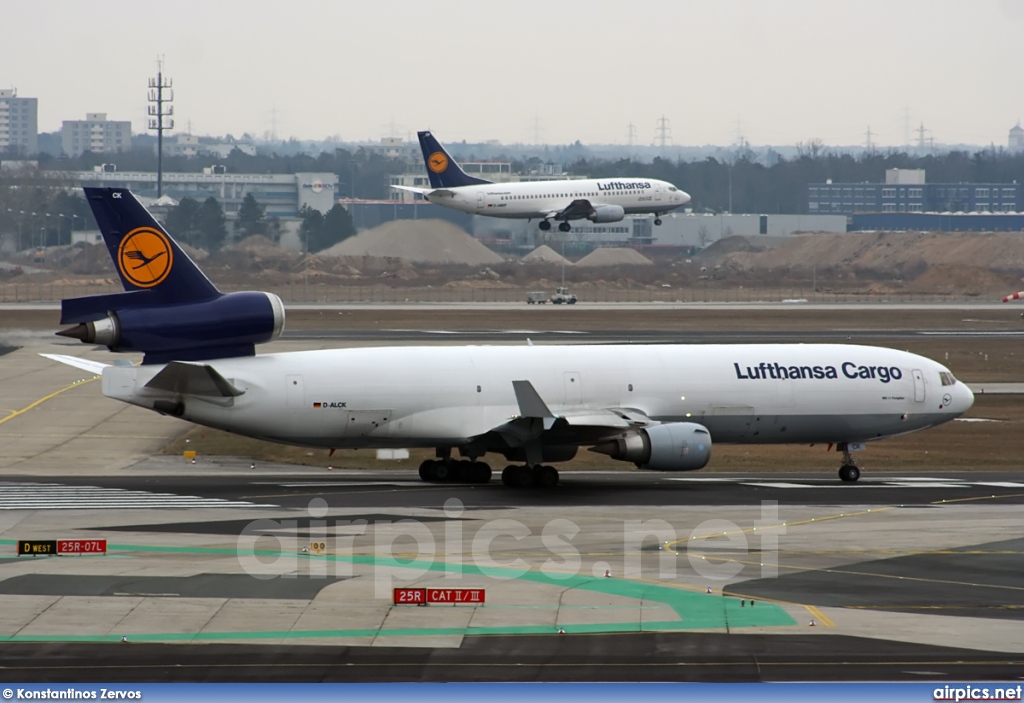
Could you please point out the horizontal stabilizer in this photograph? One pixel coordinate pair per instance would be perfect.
(193, 379)
(95, 367)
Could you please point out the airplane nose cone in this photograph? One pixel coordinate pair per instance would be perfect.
(684, 196)
(963, 399)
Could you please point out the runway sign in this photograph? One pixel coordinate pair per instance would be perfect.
(81, 546)
(37, 546)
(447, 596)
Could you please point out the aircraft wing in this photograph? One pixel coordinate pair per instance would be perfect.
(584, 426)
(95, 367)
(576, 210)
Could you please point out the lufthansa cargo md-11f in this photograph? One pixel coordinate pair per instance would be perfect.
(594, 199)
(656, 406)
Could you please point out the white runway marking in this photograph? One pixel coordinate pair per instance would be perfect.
(53, 496)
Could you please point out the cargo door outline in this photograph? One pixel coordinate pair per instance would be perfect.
(294, 391)
(573, 387)
(362, 423)
(918, 385)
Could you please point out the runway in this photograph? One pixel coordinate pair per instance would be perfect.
(907, 575)
(901, 574)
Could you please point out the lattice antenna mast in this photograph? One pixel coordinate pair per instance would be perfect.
(663, 133)
(160, 97)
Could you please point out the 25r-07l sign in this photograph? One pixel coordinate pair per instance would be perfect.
(447, 596)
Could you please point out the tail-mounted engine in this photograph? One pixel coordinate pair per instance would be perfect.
(673, 446)
(228, 325)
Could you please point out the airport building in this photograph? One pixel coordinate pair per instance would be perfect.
(19, 123)
(905, 190)
(96, 134)
(282, 194)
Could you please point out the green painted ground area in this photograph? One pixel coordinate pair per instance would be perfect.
(694, 610)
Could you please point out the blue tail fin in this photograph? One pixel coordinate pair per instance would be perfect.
(170, 310)
(153, 268)
(442, 169)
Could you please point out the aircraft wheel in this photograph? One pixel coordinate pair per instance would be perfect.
(508, 474)
(849, 473)
(479, 472)
(544, 225)
(564, 227)
(442, 471)
(545, 477)
(427, 471)
(657, 221)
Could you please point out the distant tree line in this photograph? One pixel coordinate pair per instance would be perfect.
(781, 187)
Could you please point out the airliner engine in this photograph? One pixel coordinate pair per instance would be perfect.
(674, 446)
(607, 213)
(226, 326)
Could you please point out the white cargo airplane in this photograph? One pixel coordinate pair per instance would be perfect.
(656, 406)
(594, 199)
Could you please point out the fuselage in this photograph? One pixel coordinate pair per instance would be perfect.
(378, 397)
(540, 199)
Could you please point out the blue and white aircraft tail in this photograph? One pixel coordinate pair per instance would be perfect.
(442, 169)
(170, 310)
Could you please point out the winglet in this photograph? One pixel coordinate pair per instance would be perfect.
(531, 404)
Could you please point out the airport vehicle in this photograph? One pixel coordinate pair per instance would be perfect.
(594, 199)
(562, 295)
(537, 297)
(656, 406)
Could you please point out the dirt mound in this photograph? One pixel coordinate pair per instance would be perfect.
(545, 255)
(614, 257)
(254, 241)
(730, 245)
(901, 254)
(419, 241)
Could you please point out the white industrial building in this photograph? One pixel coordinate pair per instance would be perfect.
(282, 194)
(677, 229)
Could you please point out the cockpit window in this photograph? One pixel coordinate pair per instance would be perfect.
(947, 378)
(672, 188)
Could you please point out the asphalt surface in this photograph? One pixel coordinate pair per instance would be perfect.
(976, 581)
(403, 489)
(568, 658)
(427, 336)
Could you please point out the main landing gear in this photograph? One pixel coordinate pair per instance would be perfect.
(530, 476)
(848, 472)
(545, 225)
(450, 471)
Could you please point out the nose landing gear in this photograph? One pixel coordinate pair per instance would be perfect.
(848, 472)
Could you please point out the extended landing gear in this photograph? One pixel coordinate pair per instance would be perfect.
(447, 471)
(530, 476)
(564, 227)
(657, 221)
(544, 225)
(848, 472)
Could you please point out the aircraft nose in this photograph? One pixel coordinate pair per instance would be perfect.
(684, 196)
(963, 398)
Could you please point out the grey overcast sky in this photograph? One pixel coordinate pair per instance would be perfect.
(778, 71)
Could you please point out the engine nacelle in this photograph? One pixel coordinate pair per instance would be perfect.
(674, 446)
(229, 325)
(607, 213)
